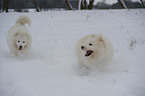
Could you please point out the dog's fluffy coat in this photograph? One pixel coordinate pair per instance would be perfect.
(18, 38)
(94, 51)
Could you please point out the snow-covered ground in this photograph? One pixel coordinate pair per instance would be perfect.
(50, 69)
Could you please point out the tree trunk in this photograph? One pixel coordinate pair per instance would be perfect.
(91, 4)
(36, 6)
(142, 3)
(69, 5)
(84, 5)
(79, 4)
(122, 4)
(5, 5)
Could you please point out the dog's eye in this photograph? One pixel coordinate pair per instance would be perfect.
(18, 41)
(90, 44)
(23, 41)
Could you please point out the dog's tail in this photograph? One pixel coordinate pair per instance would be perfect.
(22, 20)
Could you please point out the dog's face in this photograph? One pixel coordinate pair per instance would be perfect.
(92, 46)
(21, 41)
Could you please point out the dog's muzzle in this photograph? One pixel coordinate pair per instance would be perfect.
(20, 47)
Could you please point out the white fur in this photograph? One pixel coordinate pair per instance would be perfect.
(18, 36)
(102, 51)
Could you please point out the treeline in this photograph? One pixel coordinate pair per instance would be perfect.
(49, 4)
(23, 4)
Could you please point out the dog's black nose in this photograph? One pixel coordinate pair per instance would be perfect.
(20, 47)
(82, 47)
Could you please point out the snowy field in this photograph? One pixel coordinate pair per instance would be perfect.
(50, 69)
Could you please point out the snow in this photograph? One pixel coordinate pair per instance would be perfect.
(51, 67)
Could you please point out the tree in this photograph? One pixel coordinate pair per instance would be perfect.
(5, 5)
(79, 4)
(83, 4)
(122, 4)
(91, 4)
(69, 5)
(142, 3)
(36, 6)
(17, 4)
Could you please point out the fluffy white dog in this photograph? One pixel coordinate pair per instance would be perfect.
(94, 51)
(18, 38)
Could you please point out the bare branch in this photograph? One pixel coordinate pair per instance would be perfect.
(5, 5)
(122, 4)
(142, 3)
(69, 5)
(36, 6)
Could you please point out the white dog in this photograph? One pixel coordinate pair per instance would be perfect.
(18, 38)
(94, 51)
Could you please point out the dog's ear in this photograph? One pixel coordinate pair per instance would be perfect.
(17, 33)
(101, 39)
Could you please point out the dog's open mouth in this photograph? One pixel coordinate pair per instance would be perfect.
(20, 48)
(88, 53)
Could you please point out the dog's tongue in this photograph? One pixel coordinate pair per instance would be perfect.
(88, 52)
